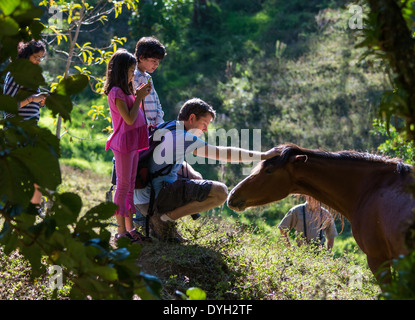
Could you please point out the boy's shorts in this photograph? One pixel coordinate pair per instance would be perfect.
(181, 192)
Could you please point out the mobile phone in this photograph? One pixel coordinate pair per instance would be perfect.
(148, 81)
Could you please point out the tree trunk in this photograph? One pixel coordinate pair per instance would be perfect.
(72, 43)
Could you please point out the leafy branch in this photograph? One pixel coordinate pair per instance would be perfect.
(74, 16)
(29, 155)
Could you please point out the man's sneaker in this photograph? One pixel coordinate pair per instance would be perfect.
(159, 228)
(195, 216)
(165, 230)
(176, 236)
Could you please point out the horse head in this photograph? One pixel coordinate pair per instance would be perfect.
(271, 180)
(371, 191)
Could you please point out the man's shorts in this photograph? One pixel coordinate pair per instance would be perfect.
(181, 192)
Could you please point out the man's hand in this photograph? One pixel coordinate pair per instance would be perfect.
(271, 153)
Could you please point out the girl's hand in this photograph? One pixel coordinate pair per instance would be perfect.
(143, 91)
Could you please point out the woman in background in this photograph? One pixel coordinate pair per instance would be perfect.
(28, 108)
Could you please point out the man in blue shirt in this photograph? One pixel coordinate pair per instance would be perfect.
(176, 196)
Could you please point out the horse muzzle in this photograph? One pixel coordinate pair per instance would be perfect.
(236, 204)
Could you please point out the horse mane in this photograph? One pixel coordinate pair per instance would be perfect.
(289, 150)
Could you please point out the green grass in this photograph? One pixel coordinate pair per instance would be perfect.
(95, 166)
(16, 284)
(231, 261)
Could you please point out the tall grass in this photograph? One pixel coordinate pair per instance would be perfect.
(232, 261)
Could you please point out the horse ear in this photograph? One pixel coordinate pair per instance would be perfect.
(298, 158)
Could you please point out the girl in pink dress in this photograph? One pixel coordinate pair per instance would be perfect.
(130, 135)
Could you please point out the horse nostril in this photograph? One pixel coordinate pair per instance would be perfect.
(234, 203)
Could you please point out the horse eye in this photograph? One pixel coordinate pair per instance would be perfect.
(270, 167)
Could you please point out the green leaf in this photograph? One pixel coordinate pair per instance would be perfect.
(72, 85)
(8, 6)
(66, 208)
(76, 293)
(8, 26)
(95, 218)
(43, 167)
(77, 251)
(23, 164)
(36, 27)
(34, 255)
(12, 181)
(106, 272)
(59, 104)
(28, 216)
(10, 243)
(9, 48)
(26, 12)
(196, 294)
(5, 230)
(103, 211)
(47, 227)
(14, 210)
(119, 254)
(153, 286)
(27, 74)
(8, 104)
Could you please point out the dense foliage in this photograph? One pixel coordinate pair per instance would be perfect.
(30, 154)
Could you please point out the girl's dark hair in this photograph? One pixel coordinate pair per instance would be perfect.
(197, 107)
(149, 47)
(117, 71)
(26, 49)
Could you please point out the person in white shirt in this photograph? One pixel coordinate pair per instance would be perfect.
(149, 52)
(309, 225)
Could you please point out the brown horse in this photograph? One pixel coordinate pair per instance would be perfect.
(369, 190)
